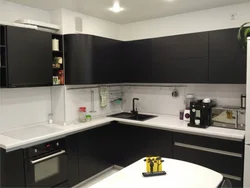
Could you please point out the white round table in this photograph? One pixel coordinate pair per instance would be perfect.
(180, 174)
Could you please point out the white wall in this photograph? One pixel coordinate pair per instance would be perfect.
(212, 19)
(24, 106)
(91, 25)
(10, 12)
(159, 99)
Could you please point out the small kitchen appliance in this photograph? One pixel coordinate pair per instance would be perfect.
(228, 117)
(201, 113)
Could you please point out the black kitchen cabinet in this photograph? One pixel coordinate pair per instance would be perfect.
(134, 143)
(106, 60)
(180, 59)
(227, 59)
(73, 160)
(92, 152)
(78, 59)
(223, 156)
(137, 61)
(29, 57)
(12, 169)
(92, 60)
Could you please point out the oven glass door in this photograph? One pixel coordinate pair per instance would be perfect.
(47, 171)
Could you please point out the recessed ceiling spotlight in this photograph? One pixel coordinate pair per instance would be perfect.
(116, 8)
(169, 1)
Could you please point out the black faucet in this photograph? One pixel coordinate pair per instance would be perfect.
(134, 111)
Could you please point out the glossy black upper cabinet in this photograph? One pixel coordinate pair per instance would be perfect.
(227, 60)
(91, 59)
(180, 59)
(29, 55)
(137, 61)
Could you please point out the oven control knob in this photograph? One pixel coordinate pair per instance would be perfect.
(35, 150)
(57, 143)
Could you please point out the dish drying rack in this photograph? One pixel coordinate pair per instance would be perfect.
(116, 96)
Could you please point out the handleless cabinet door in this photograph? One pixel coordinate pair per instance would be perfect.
(78, 63)
(180, 59)
(227, 60)
(29, 57)
(137, 61)
(106, 60)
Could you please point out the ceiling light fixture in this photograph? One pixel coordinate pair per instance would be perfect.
(116, 8)
(169, 1)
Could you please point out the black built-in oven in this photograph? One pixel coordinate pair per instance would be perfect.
(46, 164)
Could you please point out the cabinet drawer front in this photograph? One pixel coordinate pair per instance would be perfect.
(212, 143)
(223, 162)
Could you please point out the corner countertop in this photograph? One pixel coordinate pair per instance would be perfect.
(179, 174)
(163, 122)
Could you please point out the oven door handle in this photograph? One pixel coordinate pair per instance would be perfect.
(48, 157)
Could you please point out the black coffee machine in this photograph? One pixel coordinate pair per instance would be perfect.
(201, 114)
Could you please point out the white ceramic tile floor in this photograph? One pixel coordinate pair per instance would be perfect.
(99, 178)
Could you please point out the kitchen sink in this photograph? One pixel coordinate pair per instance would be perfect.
(138, 117)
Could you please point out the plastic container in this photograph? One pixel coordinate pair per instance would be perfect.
(88, 117)
(82, 114)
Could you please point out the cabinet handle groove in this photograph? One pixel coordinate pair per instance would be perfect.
(208, 150)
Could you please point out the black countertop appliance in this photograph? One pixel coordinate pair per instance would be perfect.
(201, 114)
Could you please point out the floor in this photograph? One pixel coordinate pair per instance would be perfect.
(99, 178)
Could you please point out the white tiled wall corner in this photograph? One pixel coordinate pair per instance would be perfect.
(82, 98)
(24, 106)
(58, 104)
(159, 99)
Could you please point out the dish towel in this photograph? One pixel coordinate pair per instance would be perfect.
(103, 96)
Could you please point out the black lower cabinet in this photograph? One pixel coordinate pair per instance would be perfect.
(134, 143)
(223, 156)
(12, 169)
(92, 152)
(73, 162)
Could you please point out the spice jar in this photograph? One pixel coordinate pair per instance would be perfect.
(82, 114)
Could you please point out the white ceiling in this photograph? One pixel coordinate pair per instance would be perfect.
(135, 10)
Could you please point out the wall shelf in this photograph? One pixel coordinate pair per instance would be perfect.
(58, 71)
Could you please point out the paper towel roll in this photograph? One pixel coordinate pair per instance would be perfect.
(55, 44)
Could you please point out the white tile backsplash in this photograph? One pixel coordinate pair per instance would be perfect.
(24, 106)
(160, 100)
(82, 98)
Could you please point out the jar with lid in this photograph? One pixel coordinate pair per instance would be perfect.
(82, 114)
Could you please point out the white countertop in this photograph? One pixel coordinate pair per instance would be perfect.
(179, 174)
(16, 138)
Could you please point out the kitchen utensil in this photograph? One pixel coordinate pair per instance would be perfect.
(92, 102)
